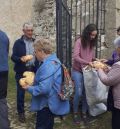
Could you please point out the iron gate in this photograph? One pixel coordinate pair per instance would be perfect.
(71, 18)
(63, 22)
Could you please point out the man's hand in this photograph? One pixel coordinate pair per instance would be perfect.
(23, 59)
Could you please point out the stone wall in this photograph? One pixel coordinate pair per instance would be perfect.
(13, 13)
(44, 19)
(117, 13)
(112, 22)
(110, 27)
(42, 13)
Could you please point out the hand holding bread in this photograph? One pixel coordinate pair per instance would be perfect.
(28, 79)
(99, 64)
(26, 58)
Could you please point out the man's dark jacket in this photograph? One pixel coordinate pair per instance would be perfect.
(19, 50)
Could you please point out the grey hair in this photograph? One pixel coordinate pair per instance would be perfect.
(117, 42)
(27, 25)
(43, 45)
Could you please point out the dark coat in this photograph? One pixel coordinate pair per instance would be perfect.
(19, 50)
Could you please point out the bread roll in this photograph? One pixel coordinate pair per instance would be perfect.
(28, 78)
(28, 57)
(22, 82)
(98, 64)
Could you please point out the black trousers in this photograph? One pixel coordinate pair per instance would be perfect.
(110, 101)
(4, 122)
(115, 118)
(45, 119)
(3, 84)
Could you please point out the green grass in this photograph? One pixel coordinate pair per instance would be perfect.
(102, 122)
(12, 84)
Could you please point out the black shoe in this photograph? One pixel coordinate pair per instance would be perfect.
(87, 119)
(21, 117)
(91, 119)
(76, 119)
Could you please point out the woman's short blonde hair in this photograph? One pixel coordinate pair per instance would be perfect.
(43, 45)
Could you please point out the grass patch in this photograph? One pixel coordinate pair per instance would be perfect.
(11, 82)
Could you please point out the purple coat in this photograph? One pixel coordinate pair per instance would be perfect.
(115, 57)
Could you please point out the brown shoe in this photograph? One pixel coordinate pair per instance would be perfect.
(21, 117)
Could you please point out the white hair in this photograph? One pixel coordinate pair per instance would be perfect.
(117, 42)
(27, 25)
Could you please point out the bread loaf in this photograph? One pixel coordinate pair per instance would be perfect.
(28, 78)
(98, 64)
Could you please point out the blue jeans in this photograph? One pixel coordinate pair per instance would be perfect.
(45, 119)
(20, 95)
(79, 92)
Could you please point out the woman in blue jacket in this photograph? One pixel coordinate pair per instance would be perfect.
(47, 85)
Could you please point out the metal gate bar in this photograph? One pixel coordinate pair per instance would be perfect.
(63, 21)
(71, 18)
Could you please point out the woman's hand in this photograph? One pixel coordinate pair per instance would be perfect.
(25, 87)
(91, 64)
(107, 69)
(103, 60)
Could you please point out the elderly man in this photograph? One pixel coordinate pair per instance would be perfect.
(4, 48)
(21, 48)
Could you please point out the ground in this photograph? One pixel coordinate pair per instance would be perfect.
(101, 122)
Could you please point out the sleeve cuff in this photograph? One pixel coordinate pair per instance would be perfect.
(30, 89)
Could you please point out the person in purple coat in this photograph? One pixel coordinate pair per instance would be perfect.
(112, 79)
(114, 58)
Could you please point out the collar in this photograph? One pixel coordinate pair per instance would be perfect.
(23, 37)
(50, 57)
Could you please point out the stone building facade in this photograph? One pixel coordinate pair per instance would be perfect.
(43, 14)
(111, 22)
(13, 13)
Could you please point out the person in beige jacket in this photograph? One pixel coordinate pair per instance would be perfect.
(112, 79)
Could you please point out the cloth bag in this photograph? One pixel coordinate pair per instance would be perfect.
(97, 109)
(96, 91)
